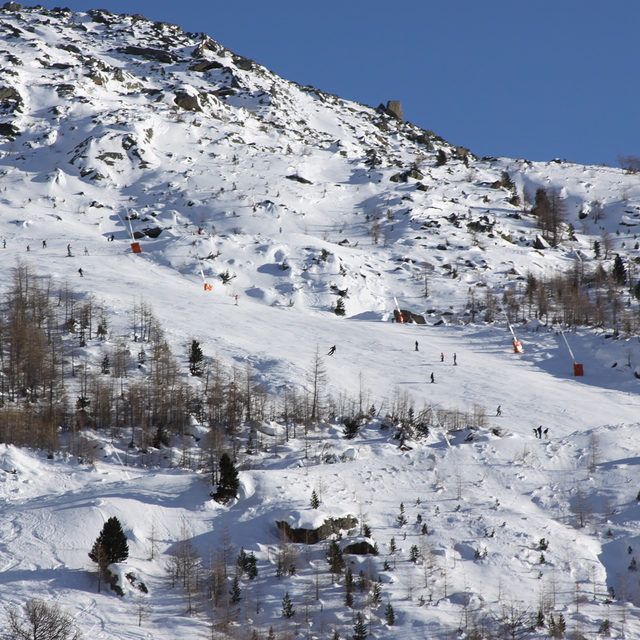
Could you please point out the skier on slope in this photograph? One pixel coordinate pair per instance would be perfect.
(332, 350)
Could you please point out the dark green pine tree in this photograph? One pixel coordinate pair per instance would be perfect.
(360, 628)
(334, 557)
(196, 359)
(619, 271)
(111, 545)
(348, 585)
(315, 501)
(287, 607)
(390, 615)
(235, 591)
(229, 482)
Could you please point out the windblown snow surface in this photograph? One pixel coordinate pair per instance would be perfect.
(100, 127)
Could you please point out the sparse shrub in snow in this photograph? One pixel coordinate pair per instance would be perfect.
(40, 621)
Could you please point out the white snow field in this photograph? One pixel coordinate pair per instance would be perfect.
(112, 125)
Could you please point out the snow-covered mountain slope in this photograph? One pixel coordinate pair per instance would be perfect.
(286, 200)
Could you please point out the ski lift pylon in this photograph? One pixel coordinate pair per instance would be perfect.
(517, 345)
(578, 369)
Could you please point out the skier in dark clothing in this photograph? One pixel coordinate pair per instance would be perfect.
(332, 350)
(44, 244)
(80, 272)
(433, 379)
(417, 346)
(455, 359)
(499, 411)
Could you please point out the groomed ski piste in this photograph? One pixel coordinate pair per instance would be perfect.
(515, 523)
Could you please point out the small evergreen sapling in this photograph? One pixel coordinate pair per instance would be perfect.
(235, 592)
(390, 615)
(196, 359)
(315, 501)
(287, 607)
(360, 631)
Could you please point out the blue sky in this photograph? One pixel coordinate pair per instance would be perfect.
(555, 78)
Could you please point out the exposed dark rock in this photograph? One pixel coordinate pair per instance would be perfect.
(405, 175)
(102, 16)
(540, 243)
(361, 548)
(138, 235)
(11, 6)
(9, 130)
(394, 109)
(461, 153)
(206, 65)
(150, 54)
(187, 101)
(224, 91)
(482, 225)
(243, 63)
(298, 178)
(152, 232)
(311, 536)
(10, 99)
(65, 90)
(207, 45)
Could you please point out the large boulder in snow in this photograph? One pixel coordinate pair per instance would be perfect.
(361, 548)
(394, 109)
(187, 101)
(312, 535)
(541, 243)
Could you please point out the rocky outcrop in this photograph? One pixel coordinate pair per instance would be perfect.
(8, 130)
(207, 45)
(405, 175)
(187, 101)
(205, 65)
(150, 54)
(394, 109)
(299, 179)
(10, 99)
(311, 536)
(361, 548)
